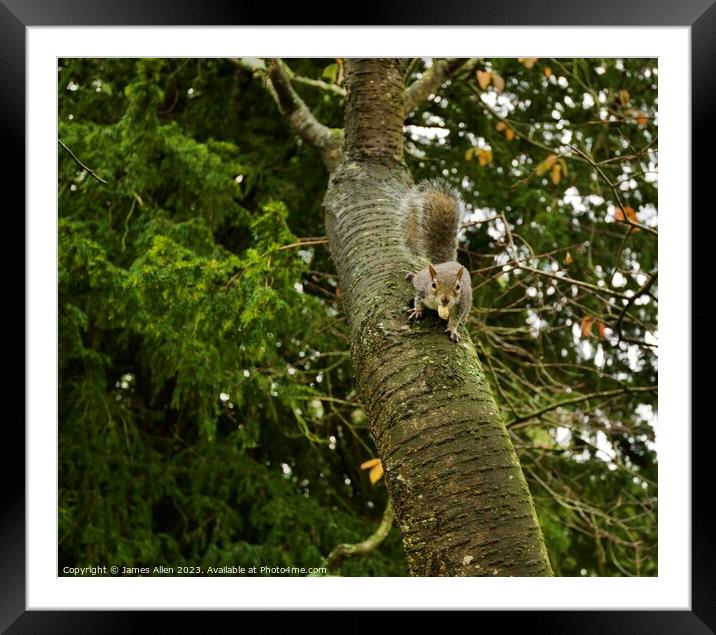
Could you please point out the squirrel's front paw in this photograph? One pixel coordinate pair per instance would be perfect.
(415, 314)
(454, 335)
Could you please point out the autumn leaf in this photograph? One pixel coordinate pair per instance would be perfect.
(376, 469)
(547, 71)
(484, 78)
(484, 157)
(556, 174)
(621, 216)
(376, 474)
(528, 62)
(545, 165)
(568, 260)
(470, 154)
(641, 118)
(501, 126)
(587, 326)
(498, 82)
(369, 463)
(624, 97)
(601, 328)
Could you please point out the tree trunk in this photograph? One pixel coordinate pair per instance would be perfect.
(460, 498)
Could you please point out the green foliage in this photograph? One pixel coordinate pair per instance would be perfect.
(189, 352)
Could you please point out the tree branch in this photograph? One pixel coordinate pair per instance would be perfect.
(431, 80)
(91, 172)
(342, 552)
(317, 83)
(329, 141)
(638, 294)
(579, 399)
(301, 119)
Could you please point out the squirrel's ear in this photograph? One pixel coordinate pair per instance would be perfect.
(460, 272)
(433, 273)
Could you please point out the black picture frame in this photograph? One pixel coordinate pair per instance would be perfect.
(16, 15)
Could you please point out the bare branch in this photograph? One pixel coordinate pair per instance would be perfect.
(575, 400)
(579, 283)
(251, 64)
(317, 83)
(329, 141)
(82, 165)
(431, 80)
(630, 302)
(306, 242)
(343, 551)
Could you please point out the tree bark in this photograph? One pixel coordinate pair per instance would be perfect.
(460, 498)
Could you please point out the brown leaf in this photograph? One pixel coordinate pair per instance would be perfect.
(568, 260)
(601, 328)
(369, 463)
(484, 78)
(545, 165)
(587, 326)
(510, 134)
(484, 157)
(501, 126)
(547, 71)
(624, 97)
(641, 118)
(528, 62)
(376, 473)
(621, 216)
(498, 82)
(556, 174)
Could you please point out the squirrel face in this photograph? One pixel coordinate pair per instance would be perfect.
(444, 290)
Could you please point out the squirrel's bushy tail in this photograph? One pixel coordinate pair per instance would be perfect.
(432, 215)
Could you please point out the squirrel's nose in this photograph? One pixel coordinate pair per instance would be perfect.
(444, 299)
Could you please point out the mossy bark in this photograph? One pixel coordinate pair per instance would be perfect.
(460, 498)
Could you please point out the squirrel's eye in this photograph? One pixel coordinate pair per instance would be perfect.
(434, 285)
(457, 287)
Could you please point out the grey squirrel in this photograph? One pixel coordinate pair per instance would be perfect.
(431, 214)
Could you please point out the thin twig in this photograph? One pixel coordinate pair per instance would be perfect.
(90, 171)
(574, 400)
